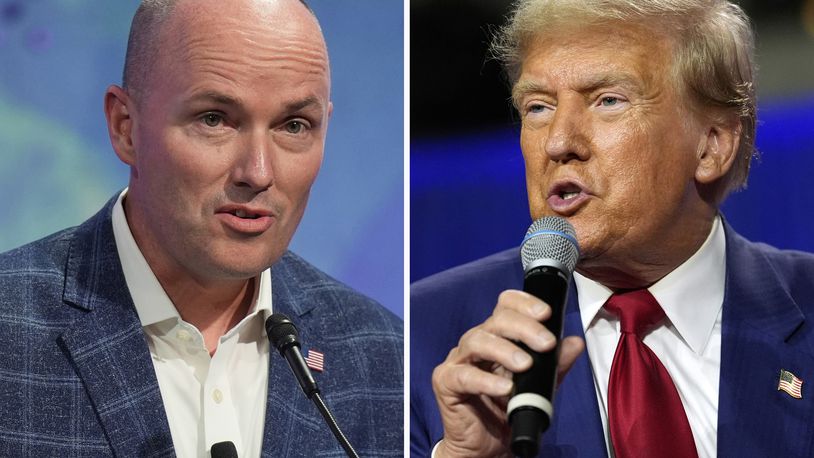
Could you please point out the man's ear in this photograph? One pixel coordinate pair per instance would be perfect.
(718, 151)
(118, 106)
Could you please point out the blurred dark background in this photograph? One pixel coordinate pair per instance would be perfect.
(467, 185)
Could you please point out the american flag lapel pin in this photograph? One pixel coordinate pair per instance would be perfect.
(315, 360)
(790, 384)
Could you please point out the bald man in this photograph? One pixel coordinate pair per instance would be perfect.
(141, 332)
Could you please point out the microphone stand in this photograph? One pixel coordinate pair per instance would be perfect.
(333, 425)
(284, 336)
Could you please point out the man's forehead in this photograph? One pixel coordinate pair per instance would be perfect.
(611, 36)
(295, 102)
(590, 59)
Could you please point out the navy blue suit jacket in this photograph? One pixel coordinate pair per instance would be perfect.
(769, 293)
(77, 379)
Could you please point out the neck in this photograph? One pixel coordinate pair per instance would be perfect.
(213, 305)
(212, 308)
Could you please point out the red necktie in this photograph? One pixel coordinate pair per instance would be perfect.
(645, 414)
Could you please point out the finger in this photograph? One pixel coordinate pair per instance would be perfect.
(462, 379)
(513, 325)
(479, 345)
(570, 348)
(523, 302)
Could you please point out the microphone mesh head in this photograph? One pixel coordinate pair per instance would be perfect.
(225, 449)
(550, 237)
(281, 331)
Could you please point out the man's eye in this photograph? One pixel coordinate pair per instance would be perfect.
(609, 101)
(212, 119)
(295, 127)
(536, 108)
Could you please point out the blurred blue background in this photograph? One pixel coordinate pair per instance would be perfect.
(57, 167)
(467, 178)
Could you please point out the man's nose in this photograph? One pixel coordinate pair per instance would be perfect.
(567, 139)
(254, 167)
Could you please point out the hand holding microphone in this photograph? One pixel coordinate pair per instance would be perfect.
(549, 254)
(472, 386)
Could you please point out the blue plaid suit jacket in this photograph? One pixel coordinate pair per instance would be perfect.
(76, 375)
(768, 296)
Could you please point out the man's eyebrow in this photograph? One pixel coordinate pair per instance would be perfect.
(226, 100)
(624, 80)
(217, 97)
(523, 87)
(307, 102)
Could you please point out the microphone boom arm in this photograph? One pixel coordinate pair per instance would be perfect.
(284, 337)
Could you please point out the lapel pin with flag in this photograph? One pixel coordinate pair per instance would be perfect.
(790, 384)
(315, 360)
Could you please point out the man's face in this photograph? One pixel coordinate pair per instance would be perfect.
(228, 137)
(608, 141)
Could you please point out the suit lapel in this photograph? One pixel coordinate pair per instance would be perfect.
(577, 430)
(107, 345)
(287, 407)
(761, 335)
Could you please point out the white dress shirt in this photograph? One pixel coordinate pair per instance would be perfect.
(688, 343)
(207, 399)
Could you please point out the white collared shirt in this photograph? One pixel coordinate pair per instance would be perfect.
(688, 343)
(207, 399)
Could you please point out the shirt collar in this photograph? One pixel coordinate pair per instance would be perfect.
(691, 295)
(151, 301)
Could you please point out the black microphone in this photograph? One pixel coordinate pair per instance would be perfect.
(284, 336)
(549, 253)
(223, 450)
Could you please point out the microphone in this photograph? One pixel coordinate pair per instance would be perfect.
(549, 253)
(284, 336)
(224, 449)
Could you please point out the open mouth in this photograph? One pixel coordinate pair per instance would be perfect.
(245, 215)
(566, 197)
(568, 191)
(569, 195)
(246, 220)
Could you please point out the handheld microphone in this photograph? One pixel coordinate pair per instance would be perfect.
(284, 336)
(549, 253)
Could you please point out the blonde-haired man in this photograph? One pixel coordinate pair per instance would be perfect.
(638, 119)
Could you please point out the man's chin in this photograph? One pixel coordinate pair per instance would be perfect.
(244, 256)
(239, 268)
